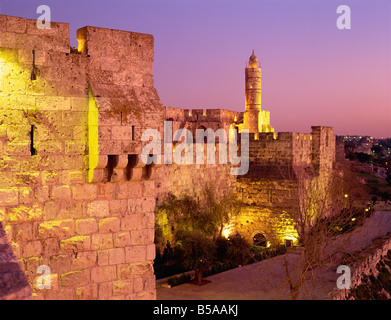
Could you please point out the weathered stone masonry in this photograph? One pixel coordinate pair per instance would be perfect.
(73, 193)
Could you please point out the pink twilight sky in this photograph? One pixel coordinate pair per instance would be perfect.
(312, 72)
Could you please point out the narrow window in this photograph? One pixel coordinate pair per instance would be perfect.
(33, 151)
(33, 72)
(270, 195)
(133, 133)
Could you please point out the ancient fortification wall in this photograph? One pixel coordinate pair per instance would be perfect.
(270, 189)
(366, 264)
(73, 194)
(190, 179)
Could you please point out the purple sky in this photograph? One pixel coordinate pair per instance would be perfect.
(312, 72)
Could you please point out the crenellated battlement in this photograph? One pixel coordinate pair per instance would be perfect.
(203, 115)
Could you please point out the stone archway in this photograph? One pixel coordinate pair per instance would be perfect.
(259, 240)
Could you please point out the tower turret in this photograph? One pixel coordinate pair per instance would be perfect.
(255, 119)
(253, 95)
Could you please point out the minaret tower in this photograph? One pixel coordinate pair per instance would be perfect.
(252, 115)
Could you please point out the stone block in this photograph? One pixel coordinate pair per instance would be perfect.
(138, 284)
(139, 205)
(50, 210)
(84, 260)
(72, 210)
(106, 190)
(103, 274)
(146, 295)
(149, 188)
(42, 194)
(99, 209)
(148, 220)
(151, 252)
(116, 256)
(23, 232)
(136, 270)
(23, 214)
(60, 263)
(105, 290)
(75, 278)
(61, 193)
(86, 226)
(103, 258)
(102, 241)
(109, 225)
(135, 254)
(56, 228)
(9, 197)
(122, 287)
(63, 294)
(50, 247)
(84, 191)
(121, 239)
(131, 222)
(138, 237)
(26, 195)
(150, 283)
(76, 243)
(88, 292)
(118, 207)
(32, 249)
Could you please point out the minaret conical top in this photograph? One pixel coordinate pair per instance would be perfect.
(253, 61)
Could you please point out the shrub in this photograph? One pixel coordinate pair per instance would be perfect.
(238, 252)
(176, 281)
(199, 251)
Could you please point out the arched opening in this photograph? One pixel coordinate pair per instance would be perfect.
(259, 240)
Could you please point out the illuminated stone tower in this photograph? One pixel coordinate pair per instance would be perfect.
(255, 119)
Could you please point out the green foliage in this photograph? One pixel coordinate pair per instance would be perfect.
(193, 223)
(206, 212)
(234, 251)
(199, 250)
(261, 253)
(177, 280)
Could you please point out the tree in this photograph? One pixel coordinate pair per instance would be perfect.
(326, 205)
(363, 157)
(193, 222)
(199, 251)
(377, 151)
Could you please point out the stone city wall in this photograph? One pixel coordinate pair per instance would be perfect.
(73, 194)
(366, 265)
